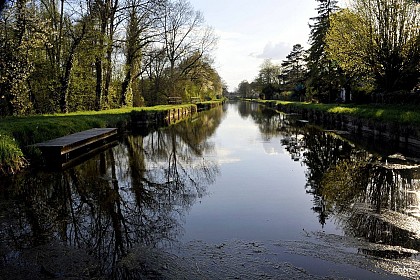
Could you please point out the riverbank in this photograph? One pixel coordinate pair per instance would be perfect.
(402, 114)
(398, 124)
(17, 134)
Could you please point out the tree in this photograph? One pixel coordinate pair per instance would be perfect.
(268, 79)
(69, 26)
(185, 36)
(106, 13)
(245, 89)
(201, 79)
(68, 67)
(322, 72)
(380, 37)
(22, 34)
(294, 70)
(269, 73)
(140, 31)
(154, 81)
(347, 27)
(58, 55)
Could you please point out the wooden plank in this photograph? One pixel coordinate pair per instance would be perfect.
(68, 163)
(77, 140)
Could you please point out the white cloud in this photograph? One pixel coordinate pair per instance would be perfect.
(225, 157)
(276, 51)
(245, 27)
(232, 59)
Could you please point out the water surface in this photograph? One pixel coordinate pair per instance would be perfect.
(260, 193)
(239, 177)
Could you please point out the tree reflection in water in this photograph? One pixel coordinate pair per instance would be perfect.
(135, 193)
(377, 201)
(309, 145)
(371, 197)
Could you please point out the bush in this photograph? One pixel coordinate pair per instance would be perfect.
(11, 156)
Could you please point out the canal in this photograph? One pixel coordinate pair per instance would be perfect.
(237, 192)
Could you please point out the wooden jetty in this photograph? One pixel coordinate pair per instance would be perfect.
(65, 149)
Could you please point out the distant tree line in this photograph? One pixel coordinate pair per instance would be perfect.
(62, 56)
(369, 52)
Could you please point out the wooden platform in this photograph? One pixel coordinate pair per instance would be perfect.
(65, 148)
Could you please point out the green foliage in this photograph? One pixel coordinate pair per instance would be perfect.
(323, 74)
(11, 156)
(294, 71)
(345, 182)
(378, 41)
(284, 95)
(21, 35)
(82, 90)
(347, 42)
(69, 56)
(245, 90)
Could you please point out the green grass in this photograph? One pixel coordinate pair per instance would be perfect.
(29, 130)
(18, 133)
(11, 156)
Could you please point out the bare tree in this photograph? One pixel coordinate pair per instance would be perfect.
(185, 35)
(107, 12)
(141, 30)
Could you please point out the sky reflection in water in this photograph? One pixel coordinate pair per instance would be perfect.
(237, 172)
(260, 192)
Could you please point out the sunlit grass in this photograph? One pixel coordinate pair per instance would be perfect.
(11, 156)
(28, 130)
(342, 110)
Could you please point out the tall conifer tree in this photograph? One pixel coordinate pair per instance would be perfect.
(322, 72)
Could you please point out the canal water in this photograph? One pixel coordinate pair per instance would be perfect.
(237, 192)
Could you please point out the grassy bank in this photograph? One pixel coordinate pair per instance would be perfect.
(17, 133)
(402, 114)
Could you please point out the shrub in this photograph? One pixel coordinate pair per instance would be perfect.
(11, 156)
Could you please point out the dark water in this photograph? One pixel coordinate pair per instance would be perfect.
(238, 172)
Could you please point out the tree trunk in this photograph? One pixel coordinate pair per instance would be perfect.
(99, 68)
(98, 90)
(108, 75)
(125, 85)
(65, 80)
(109, 49)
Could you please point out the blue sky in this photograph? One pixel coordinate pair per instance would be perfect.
(250, 31)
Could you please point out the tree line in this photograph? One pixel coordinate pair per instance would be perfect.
(368, 52)
(63, 56)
